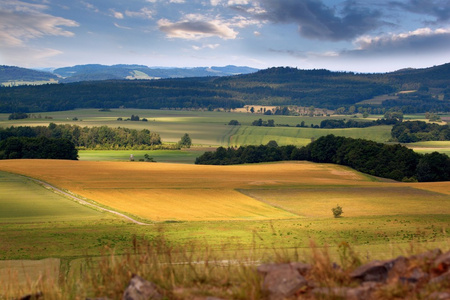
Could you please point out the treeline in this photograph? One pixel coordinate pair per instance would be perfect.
(103, 137)
(415, 131)
(155, 94)
(37, 147)
(388, 161)
(333, 123)
(248, 154)
(274, 86)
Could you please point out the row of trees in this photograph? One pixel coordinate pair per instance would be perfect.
(415, 131)
(103, 137)
(260, 122)
(37, 147)
(334, 123)
(389, 161)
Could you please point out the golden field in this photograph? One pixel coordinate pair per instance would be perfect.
(161, 192)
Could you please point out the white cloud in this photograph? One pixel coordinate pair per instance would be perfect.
(207, 46)
(177, 1)
(90, 6)
(20, 22)
(238, 2)
(215, 2)
(121, 27)
(144, 13)
(194, 27)
(421, 38)
(116, 14)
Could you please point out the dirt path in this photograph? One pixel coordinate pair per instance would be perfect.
(83, 202)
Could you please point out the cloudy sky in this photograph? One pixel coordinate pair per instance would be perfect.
(345, 35)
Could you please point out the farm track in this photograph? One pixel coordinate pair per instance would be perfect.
(84, 202)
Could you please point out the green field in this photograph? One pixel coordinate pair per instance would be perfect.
(24, 201)
(174, 156)
(204, 127)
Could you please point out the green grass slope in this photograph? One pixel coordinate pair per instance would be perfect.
(24, 201)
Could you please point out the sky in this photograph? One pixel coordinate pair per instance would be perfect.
(339, 35)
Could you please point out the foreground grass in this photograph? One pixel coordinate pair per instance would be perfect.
(189, 271)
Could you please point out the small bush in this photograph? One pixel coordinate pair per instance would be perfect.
(337, 211)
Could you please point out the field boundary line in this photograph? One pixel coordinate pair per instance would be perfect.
(84, 202)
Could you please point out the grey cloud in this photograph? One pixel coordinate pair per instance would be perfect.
(419, 42)
(318, 21)
(436, 8)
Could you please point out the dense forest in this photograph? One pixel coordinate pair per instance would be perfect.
(429, 91)
(90, 138)
(37, 147)
(388, 161)
(415, 131)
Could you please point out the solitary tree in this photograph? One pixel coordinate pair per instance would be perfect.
(337, 211)
(185, 141)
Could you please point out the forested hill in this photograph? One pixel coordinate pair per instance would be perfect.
(14, 74)
(428, 90)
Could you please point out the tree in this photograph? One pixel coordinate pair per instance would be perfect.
(185, 141)
(337, 211)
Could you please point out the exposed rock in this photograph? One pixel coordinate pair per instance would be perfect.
(442, 263)
(439, 296)
(362, 292)
(281, 280)
(375, 270)
(32, 296)
(141, 289)
(441, 278)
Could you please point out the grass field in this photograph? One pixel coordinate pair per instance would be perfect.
(22, 200)
(173, 156)
(205, 128)
(263, 212)
(289, 203)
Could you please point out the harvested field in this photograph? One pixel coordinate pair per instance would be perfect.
(162, 192)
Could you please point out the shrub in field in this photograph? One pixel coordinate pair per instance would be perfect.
(337, 211)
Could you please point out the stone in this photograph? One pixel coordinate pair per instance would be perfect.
(281, 280)
(442, 263)
(439, 296)
(141, 289)
(375, 270)
(362, 292)
(32, 296)
(441, 278)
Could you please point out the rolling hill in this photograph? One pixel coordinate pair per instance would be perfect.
(428, 91)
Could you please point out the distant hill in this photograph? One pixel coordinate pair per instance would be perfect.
(102, 72)
(10, 75)
(411, 91)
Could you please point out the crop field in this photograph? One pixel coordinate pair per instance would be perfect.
(22, 200)
(252, 135)
(205, 128)
(173, 156)
(283, 193)
(428, 147)
(263, 212)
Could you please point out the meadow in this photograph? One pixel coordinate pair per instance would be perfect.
(256, 213)
(204, 127)
(262, 212)
(209, 129)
